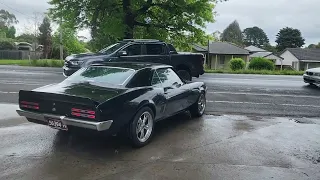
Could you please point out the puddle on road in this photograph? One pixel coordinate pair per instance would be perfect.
(243, 126)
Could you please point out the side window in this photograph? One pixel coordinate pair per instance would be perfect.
(141, 79)
(133, 50)
(155, 49)
(155, 81)
(168, 77)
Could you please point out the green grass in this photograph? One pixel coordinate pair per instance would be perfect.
(248, 71)
(35, 63)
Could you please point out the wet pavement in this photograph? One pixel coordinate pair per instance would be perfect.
(255, 127)
(211, 147)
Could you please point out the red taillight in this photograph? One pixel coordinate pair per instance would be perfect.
(83, 113)
(29, 105)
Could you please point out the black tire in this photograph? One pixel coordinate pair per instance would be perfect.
(184, 74)
(133, 134)
(195, 111)
(311, 84)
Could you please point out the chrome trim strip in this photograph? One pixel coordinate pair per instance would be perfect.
(98, 126)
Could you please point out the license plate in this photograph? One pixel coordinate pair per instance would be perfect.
(57, 124)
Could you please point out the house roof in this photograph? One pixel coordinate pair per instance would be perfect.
(305, 54)
(199, 48)
(254, 49)
(260, 54)
(226, 48)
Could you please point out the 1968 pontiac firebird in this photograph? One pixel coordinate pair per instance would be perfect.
(112, 96)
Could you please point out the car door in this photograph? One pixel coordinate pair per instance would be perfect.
(156, 52)
(174, 91)
(133, 53)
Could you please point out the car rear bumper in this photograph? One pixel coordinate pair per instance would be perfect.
(40, 118)
(311, 79)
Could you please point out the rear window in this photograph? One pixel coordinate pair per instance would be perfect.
(102, 74)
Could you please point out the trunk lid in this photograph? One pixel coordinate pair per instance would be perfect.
(62, 99)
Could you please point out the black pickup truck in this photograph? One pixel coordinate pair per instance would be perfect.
(187, 65)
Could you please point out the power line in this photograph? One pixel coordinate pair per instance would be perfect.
(14, 9)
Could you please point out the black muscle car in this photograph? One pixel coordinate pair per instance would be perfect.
(187, 65)
(112, 96)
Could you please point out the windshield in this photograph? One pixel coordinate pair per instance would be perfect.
(102, 74)
(110, 49)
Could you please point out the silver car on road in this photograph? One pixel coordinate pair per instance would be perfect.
(312, 76)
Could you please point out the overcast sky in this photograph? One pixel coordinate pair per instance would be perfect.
(270, 15)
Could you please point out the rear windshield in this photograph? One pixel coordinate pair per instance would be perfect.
(102, 74)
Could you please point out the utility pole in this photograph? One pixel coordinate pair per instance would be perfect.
(208, 55)
(61, 45)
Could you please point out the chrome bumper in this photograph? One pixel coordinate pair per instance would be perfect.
(98, 126)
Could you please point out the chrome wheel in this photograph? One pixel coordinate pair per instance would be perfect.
(201, 104)
(144, 127)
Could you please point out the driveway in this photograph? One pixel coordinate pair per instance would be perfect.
(255, 127)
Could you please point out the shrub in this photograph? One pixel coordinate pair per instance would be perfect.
(237, 64)
(259, 63)
(6, 45)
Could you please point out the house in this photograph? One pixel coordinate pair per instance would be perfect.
(253, 49)
(220, 53)
(301, 59)
(258, 52)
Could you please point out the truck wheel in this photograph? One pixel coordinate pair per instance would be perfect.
(184, 74)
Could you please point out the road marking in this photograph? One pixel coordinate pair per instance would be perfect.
(3, 92)
(264, 79)
(261, 94)
(21, 83)
(253, 103)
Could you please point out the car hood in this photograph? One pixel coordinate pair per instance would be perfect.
(314, 70)
(85, 56)
(83, 89)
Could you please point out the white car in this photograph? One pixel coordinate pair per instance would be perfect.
(312, 76)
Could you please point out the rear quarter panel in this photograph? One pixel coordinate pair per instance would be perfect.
(195, 89)
(123, 108)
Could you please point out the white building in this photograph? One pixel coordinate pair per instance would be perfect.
(301, 59)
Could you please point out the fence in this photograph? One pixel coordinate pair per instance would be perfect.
(18, 54)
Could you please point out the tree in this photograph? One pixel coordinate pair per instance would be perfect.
(312, 46)
(70, 42)
(255, 36)
(25, 37)
(45, 37)
(11, 33)
(270, 48)
(233, 34)
(7, 19)
(289, 38)
(179, 22)
(6, 23)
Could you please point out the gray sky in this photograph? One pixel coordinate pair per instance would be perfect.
(270, 15)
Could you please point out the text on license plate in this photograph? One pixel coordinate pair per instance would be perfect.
(57, 124)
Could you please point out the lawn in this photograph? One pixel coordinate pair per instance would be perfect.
(36, 63)
(249, 71)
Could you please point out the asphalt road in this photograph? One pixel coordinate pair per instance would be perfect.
(228, 94)
(254, 145)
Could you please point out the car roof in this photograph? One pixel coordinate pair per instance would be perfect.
(133, 65)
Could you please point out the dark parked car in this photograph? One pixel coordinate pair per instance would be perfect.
(187, 65)
(112, 97)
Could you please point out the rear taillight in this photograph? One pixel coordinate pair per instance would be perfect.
(83, 113)
(29, 105)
